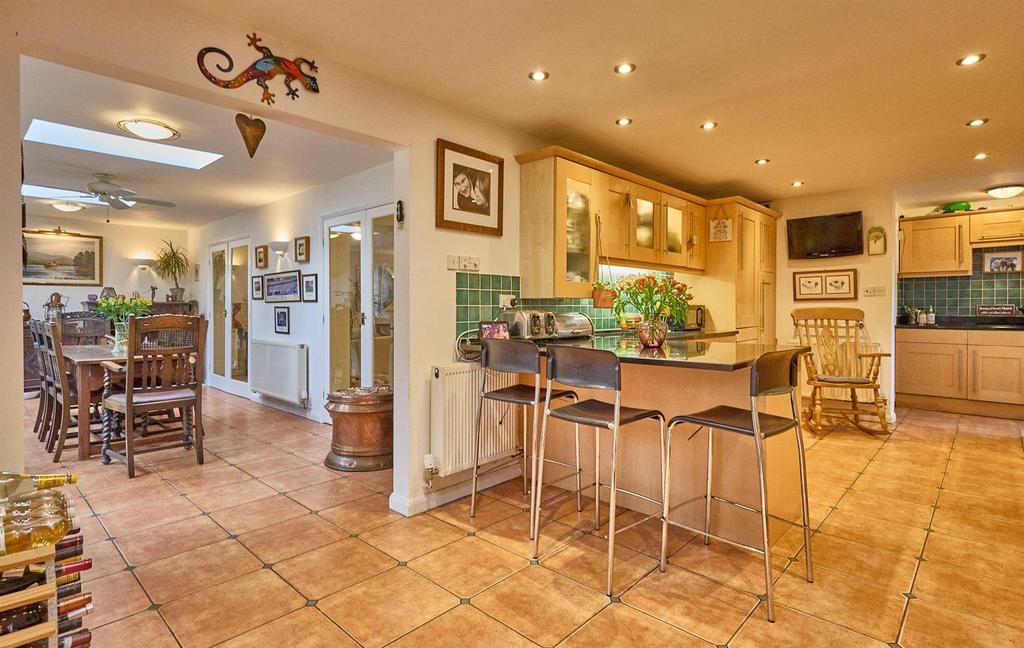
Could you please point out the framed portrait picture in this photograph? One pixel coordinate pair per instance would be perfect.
(282, 287)
(62, 258)
(262, 253)
(999, 262)
(309, 288)
(257, 287)
(470, 186)
(825, 284)
(302, 249)
(282, 320)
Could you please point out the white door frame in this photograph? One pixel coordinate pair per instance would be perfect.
(227, 383)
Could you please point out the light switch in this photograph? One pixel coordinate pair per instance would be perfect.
(453, 261)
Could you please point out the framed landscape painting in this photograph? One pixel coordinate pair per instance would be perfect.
(470, 186)
(62, 259)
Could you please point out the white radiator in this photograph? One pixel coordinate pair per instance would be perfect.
(280, 370)
(454, 394)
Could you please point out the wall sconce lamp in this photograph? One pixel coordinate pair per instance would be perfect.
(144, 264)
(279, 247)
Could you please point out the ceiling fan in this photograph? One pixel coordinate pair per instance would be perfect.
(106, 190)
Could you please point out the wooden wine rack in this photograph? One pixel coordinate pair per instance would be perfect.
(47, 592)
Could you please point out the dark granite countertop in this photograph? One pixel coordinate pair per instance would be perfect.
(970, 323)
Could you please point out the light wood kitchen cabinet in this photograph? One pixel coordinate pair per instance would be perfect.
(932, 369)
(996, 373)
(697, 230)
(674, 243)
(615, 219)
(645, 224)
(747, 231)
(938, 246)
(766, 243)
(766, 292)
(997, 227)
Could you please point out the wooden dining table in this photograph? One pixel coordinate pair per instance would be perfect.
(85, 360)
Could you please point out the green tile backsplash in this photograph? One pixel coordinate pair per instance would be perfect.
(960, 295)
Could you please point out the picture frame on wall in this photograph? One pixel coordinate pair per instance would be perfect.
(59, 258)
(282, 320)
(470, 189)
(310, 288)
(1001, 262)
(302, 249)
(817, 285)
(257, 287)
(262, 253)
(280, 287)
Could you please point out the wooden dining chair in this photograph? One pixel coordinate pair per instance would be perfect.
(84, 327)
(65, 415)
(44, 413)
(163, 372)
(839, 360)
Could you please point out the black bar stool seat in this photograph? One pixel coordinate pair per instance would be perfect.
(596, 413)
(523, 394)
(736, 419)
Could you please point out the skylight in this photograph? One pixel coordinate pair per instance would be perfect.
(55, 193)
(83, 139)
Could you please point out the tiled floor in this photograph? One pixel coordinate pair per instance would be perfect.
(919, 543)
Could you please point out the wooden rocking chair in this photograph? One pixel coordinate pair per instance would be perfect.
(838, 361)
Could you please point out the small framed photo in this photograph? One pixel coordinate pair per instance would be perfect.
(302, 249)
(282, 286)
(282, 320)
(262, 257)
(310, 288)
(470, 186)
(825, 284)
(999, 262)
(257, 287)
(195, 272)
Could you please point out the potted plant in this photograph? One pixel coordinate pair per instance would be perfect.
(172, 263)
(118, 310)
(604, 294)
(654, 298)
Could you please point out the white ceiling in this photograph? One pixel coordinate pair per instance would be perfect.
(839, 95)
(290, 160)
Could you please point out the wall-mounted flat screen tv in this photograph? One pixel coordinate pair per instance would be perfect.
(825, 236)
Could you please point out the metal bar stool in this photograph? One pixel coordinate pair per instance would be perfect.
(593, 369)
(518, 357)
(772, 373)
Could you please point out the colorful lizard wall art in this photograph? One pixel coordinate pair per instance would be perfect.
(261, 71)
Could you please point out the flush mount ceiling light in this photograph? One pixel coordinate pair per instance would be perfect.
(55, 134)
(623, 121)
(278, 247)
(1005, 191)
(762, 161)
(538, 75)
(981, 156)
(979, 121)
(66, 206)
(971, 59)
(149, 129)
(797, 183)
(708, 125)
(625, 68)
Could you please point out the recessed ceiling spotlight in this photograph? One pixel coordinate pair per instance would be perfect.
(625, 68)
(978, 121)
(623, 121)
(708, 125)
(1005, 191)
(797, 183)
(149, 129)
(762, 161)
(971, 59)
(981, 156)
(66, 206)
(538, 75)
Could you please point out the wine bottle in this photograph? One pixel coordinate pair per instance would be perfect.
(74, 615)
(71, 577)
(15, 484)
(70, 589)
(81, 638)
(51, 498)
(22, 617)
(69, 625)
(78, 601)
(68, 553)
(37, 533)
(71, 569)
(29, 576)
(69, 541)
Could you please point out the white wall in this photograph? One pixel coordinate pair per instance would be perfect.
(299, 215)
(879, 316)
(121, 244)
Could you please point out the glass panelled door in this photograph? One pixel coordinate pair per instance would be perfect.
(228, 346)
(361, 293)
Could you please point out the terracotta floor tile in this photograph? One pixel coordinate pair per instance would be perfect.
(488, 511)
(329, 493)
(886, 534)
(263, 465)
(646, 536)
(212, 499)
(514, 534)
(362, 514)
(727, 564)
(952, 587)
(468, 566)
(296, 478)
(929, 626)
(106, 559)
(380, 481)
(149, 514)
(170, 539)
(304, 628)
(585, 560)
(620, 626)
(886, 508)
(889, 570)
(385, 607)
(691, 602)
(115, 597)
(208, 479)
(258, 514)
(188, 572)
(983, 503)
(541, 604)
(462, 627)
(227, 610)
(142, 492)
(793, 628)
(1003, 562)
(411, 537)
(826, 493)
(333, 567)
(142, 629)
(990, 483)
(908, 490)
(290, 538)
(980, 528)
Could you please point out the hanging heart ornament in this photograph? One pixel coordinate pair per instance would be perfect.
(252, 131)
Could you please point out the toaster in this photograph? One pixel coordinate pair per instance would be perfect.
(527, 324)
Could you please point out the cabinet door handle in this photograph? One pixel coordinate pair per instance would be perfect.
(739, 240)
(974, 371)
(959, 369)
(959, 248)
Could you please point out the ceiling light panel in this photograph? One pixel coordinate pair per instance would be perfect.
(45, 132)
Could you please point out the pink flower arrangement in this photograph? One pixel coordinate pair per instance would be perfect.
(653, 297)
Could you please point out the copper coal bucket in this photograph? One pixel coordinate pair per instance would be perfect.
(362, 421)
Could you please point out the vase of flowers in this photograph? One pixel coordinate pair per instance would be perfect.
(118, 310)
(654, 298)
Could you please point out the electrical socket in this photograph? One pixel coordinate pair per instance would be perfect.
(452, 261)
(505, 301)
(469, 263)
(874, 291)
